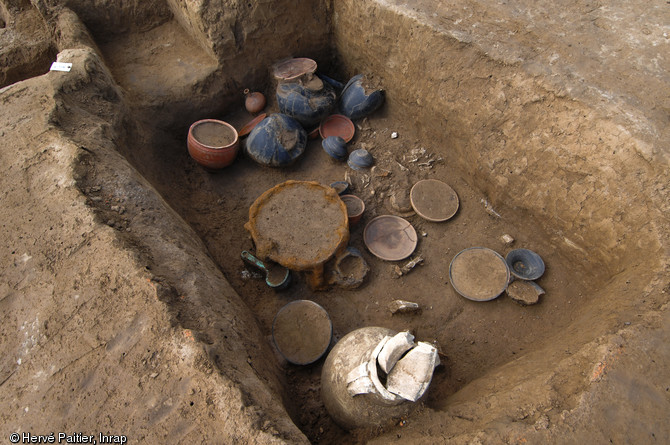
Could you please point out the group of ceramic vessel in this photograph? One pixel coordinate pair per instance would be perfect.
(336, 148)
(481, 274)
(304, 99)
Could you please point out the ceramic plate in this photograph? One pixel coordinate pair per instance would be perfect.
(390, 237)
(479, 274)
(433, 200)
(246, 129)
(337, 125)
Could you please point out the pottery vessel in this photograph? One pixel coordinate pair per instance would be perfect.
(212, 143)
(246, 128)
(337, 125)
(307, 99)
(355, 208)
(358, 100)
(254, 102)
(363, 410)
(277, 141)
(341, 187)
(525, 264)
(360, 159)
(336, 147)
(350, 269)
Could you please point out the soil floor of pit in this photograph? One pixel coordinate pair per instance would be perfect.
(472, 337)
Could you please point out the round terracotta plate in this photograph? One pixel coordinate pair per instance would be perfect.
(246, 129)
(302, 331)
(337, 125)
(292, 68)
(390, 237)
(479, 274)
(433, 200)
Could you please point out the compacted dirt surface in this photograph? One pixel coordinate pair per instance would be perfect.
(128, 311)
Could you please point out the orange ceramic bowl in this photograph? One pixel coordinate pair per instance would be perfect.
(213, 143)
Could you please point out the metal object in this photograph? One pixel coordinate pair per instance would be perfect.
(300, 225)
(276, 276)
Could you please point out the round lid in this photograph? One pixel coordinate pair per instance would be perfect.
(293, 68)
(337, 125)
(479, 274)
(433, 200)
(390, 237)
(302, 331)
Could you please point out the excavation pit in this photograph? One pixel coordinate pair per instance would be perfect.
(541, 161)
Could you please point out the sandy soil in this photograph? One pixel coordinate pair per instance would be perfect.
(128, 308)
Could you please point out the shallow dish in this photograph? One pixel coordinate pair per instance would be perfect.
(246, 129)
(390, 237)
(433, 200)
(337, 125)
(479, 274)
(290, 69)
(525, 264)
(302, 332)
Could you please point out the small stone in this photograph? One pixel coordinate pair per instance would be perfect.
(153, 375)
(507, 240)
(96, 188)
(403, 307)
(525, 292)
(394, 135)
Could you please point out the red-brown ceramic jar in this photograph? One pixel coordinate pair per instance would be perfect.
(213, 143)
(254, 102)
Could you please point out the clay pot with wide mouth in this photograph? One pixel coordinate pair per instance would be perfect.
(355, 208)
(213, 143)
